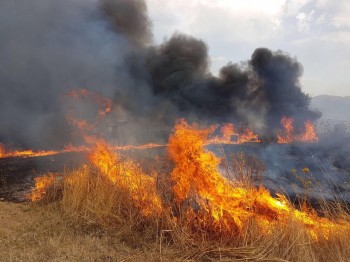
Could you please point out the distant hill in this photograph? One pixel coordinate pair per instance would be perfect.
(336, 108)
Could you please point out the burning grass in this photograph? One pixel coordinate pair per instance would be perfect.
(193, 209)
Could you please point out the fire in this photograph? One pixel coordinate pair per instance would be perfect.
(126, 175)
(69, 149)
(136, 147)
(310, 134)
(42, 183)
(230, 136)
(4, 153)
(104, 107)
(206, 199)
(288, 135)
(226, 204)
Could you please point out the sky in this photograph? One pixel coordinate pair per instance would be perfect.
(316, 32)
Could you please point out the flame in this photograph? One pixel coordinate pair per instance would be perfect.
(310, 134)
(230, 136)
(137, 147)
(4, 153)
(42, 183)
(288, 135)
(129, 177)
(205, 198)
(70, 149)
(104, 107)
(228, 205)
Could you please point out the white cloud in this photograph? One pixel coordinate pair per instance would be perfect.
(235, 20)
(293, 6)
(342, 19)
(323, 3)
(305, 20)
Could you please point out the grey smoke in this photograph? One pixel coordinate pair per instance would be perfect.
(129, 18)
(48, 48)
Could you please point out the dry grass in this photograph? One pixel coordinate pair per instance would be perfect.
(92, 199)
(34, 233)
(88, 217)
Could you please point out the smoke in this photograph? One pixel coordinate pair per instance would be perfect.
(280, 86)
(49, 48)
(258, 92)
(129, 18)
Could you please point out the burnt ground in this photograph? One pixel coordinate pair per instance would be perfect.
(322, 170)
(17, 174)
(329, 165)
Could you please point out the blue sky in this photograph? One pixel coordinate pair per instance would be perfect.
(316, 32)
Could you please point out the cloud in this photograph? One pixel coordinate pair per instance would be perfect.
(292, 7)
(342, 18)
(308, 29)
(305, 20)
(240, 18)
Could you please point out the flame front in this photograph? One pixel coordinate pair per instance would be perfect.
(228, 205)
(4, 153)
(288, 135)
(42, 184)
(201, 196)
(231, 136)
(126, 175)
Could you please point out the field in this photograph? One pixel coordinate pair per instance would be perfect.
(188, 205)
(43, 233)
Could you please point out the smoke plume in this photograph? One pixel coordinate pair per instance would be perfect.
(49, 48)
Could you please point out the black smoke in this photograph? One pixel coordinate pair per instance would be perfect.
(129, 18)
(263, 89)
(48, 48)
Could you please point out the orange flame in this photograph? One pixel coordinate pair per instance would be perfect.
(197, 182)
(230, 136)
(310, 134)
(208, 198)
(104, 104)
(70, 149)
(129, 177)
(42, 183)
(31, 153)
(288, 135)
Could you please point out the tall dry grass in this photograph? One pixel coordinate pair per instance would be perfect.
(88, 196)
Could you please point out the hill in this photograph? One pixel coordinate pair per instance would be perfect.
(336, 108)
